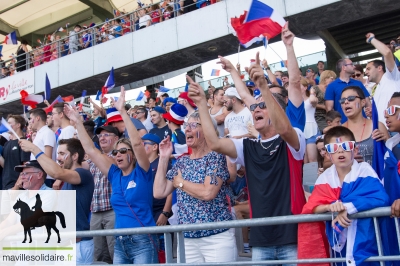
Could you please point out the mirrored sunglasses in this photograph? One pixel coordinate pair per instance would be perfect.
(346, 146)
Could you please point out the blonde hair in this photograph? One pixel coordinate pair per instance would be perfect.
(304, 82)
(126, 142)
(325, 75)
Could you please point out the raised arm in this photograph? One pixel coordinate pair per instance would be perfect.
(100, 109)
(134, 135)
(102, 161)
(162, 186)
(239, 84)
(50, 166)
(276, 114)
(383, 50)
(294, 89)
(271, 75)
(223, 145)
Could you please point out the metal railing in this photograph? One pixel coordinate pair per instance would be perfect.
(291, 219)
(96, 35)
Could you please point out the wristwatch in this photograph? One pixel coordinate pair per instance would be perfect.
(167, 214)
(180, 185)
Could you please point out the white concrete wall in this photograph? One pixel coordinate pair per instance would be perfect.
(179, 33)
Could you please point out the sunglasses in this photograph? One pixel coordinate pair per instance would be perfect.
(391, 110)
(262, 105)
(349, 99)
(122, 151)
(346, 146)
(356, 75)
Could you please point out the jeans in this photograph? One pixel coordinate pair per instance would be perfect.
(84, 252)
(135, 249)
(283, 252)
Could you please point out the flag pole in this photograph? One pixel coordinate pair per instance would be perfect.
(275, 53)
(238, 53)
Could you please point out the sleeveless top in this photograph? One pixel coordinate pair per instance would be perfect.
(311, 127)
(220, 128)
(366, 149)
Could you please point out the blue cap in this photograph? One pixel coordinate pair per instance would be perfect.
(250, 84)
(169, 100)
(152, 137)
(159, 109)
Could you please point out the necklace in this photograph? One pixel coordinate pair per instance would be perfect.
(268, 146)
(362, 133)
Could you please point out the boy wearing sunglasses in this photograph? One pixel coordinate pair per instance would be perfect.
(347, 187)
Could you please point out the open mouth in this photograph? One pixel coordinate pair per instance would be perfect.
(341, 158)
(258, 117)
(347, 109)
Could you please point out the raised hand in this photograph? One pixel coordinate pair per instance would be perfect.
(72, 113)
(165, 148)
(226, 64)
(256, 73)
(196, 92)
(369, 35)
(120, 103)
(287, 36)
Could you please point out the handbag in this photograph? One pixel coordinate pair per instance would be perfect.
(160, 253)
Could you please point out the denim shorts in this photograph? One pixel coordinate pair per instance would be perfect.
(313, 139)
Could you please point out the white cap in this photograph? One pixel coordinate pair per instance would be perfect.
(232, 92)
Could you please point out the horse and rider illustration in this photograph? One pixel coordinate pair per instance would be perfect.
(31, 219)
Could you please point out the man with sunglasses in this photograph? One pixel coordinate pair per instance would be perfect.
(345, 67)
(384, 73)
(274, 162)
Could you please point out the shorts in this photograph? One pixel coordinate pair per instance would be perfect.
(313, 139)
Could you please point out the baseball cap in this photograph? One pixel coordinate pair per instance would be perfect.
(30, 164)
(232, 92)
(110, 129)
(159, 109)
(184, 95)
(152, 137)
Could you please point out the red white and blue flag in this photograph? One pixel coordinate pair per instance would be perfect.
(47, 91)
(82, 100)
(109, 83)
(361, 190)
(11, 38)
(261, 21)
(141, 96)
(30, 100)
(215, 72)
(49, 109)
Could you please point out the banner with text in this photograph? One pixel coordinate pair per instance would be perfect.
(38, 227)
(11, 86)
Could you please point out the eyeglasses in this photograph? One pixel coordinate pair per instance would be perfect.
(106, 135)
(122, 151)
(23, 174)
(346, 146)
(262, 105)
(139, 113)
(192, 125)
(391, 110)
(350, 99)
(148, 143)
(356, 75)
(308, 70)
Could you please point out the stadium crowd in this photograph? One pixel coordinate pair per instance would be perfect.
(201, 157)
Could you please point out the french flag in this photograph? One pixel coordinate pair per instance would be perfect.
(11, 38)
(82, 100)
(30, 100)
(361, 191)
(60, 29)
(98, 94)
(109, 83)
(47, 91)
(49, 109)
(140, 96)
(162, 90)
(215, 72)
(261, 21)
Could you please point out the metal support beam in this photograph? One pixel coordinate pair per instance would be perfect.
(101, 8)
(331, 42)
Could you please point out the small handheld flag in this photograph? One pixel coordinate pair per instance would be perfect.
(215, 72)
(60, 29)
(11, 38)
(82, 100)
(140, 96)
(8, 126)
(30, 100)
(98, 94)
(163, 89)
(47, 91)
(117, 13)
(109, 83)
(140, 3)
(57, 100)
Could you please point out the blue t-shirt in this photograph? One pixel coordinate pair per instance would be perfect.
(296, 115)
(334, 93)
(135, 189)
(158, 204)
(118, 28)
(84, 194)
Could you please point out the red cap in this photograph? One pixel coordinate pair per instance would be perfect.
(184, 95)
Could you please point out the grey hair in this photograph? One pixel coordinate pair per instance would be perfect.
(196, 116)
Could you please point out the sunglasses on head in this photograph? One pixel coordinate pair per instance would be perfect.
(346, 146)
(122, 151)
(350, 99)
(391, 110)
(262, 105)
(356, 75)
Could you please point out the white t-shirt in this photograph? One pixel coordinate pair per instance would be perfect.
(389, 84)
(147, 123)
(45, 137)
(143, 20)
(66, 133)
(237, 123)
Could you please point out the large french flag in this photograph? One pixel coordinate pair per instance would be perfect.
(11, 38)
(261, 21)
(361, 190)
(110, 83)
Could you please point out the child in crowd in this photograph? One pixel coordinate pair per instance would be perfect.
(347, 187)
(333, 119)
(322, 155)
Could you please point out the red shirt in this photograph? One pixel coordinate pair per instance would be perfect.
(155, 16)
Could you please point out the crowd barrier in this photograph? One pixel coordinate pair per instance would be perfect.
(179, 229)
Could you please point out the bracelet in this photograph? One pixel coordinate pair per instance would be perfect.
(267, 68)
(38, 155)
(167, 214)
(370, 39)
